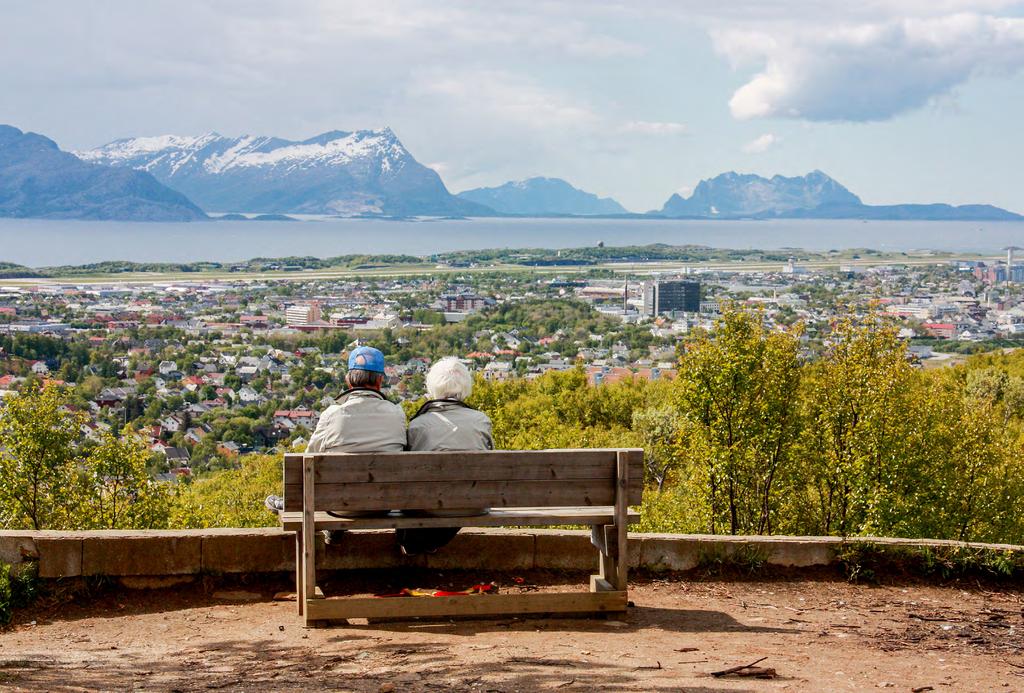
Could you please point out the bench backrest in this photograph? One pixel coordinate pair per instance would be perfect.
(479, 479)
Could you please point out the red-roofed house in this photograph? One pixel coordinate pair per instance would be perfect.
(942, 330)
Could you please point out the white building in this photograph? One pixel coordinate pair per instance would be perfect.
(303, 314)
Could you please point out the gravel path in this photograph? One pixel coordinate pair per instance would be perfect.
(817, 635)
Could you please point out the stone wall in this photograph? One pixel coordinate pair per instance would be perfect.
(160, 553)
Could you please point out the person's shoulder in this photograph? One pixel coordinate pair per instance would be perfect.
(479, 415)
(332, 409)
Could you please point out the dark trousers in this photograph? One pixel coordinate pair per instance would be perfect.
(427, 540)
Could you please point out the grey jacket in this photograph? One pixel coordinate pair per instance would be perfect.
(450, 426)
(360, 422)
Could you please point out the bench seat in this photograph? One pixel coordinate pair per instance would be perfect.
(498, 517)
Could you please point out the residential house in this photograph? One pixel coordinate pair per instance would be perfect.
(247, 395)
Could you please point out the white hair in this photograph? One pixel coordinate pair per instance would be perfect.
(449, 379)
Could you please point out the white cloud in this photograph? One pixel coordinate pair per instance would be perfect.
(441, 167)
(866, 71)
(647, 127)
(760, 144)
(503, 96)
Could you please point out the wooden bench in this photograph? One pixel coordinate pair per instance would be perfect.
(592, 487)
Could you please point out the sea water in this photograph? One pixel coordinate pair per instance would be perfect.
(40, 242)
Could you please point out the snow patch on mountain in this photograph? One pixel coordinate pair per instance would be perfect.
(366, 171)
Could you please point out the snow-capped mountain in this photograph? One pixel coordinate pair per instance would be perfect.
(542, 196)
(362, 172)
(39, 180)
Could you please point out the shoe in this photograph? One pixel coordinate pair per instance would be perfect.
(275, 504)
(332, 537)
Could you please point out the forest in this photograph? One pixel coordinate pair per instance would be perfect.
(756, 435)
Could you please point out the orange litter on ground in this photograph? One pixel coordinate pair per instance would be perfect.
(490, 588)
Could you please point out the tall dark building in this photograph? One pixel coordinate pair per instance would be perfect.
(666, 297)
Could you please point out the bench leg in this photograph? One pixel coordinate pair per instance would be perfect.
(621, 521)
(603, 537)
(309, 589)
(300, 594)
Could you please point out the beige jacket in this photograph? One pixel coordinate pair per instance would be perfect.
(360, 422)
(450, 426)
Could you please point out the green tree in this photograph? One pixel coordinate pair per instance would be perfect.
(117, 490)
(659, 428)
(40, 453)
(738, 393)
(855, 408)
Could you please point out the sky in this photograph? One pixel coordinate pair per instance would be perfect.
(901, 101)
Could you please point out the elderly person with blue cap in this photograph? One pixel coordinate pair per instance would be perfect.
(360, 420)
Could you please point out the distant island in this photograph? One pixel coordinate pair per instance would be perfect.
(814, 196)
(369, 174)
(543, 197)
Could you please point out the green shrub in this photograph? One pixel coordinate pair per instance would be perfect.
(748, 559)
(18, 589)
(866, 561)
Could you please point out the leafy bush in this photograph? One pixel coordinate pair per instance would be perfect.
(232, 498)
(866, 561)
(18, 588)
(747, 559)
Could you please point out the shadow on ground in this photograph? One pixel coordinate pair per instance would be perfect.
(357, 664)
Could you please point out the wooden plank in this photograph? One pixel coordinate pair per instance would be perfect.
(436, 495)
(472, 465)
(293, 504)
(470, 605)
(308, 529)
(505, 517)
(495, 465)
(635, 463)
(300, 596)
(599, 584)
(606, 556)
(621, 521)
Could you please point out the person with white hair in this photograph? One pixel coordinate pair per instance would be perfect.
(445, 422)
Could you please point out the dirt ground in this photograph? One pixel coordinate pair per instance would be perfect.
(818, 634)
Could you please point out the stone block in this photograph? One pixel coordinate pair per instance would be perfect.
(142, 553)
(565, 551)
(16, 547)
(59, 557)
(486, 550)
(561, 549)
(801, 553)
(248, 551)
(362, 550)
(669, 553)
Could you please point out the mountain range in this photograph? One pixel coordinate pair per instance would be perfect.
(542, 197)
(814, 196)
(366, 172)
(38, 180)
